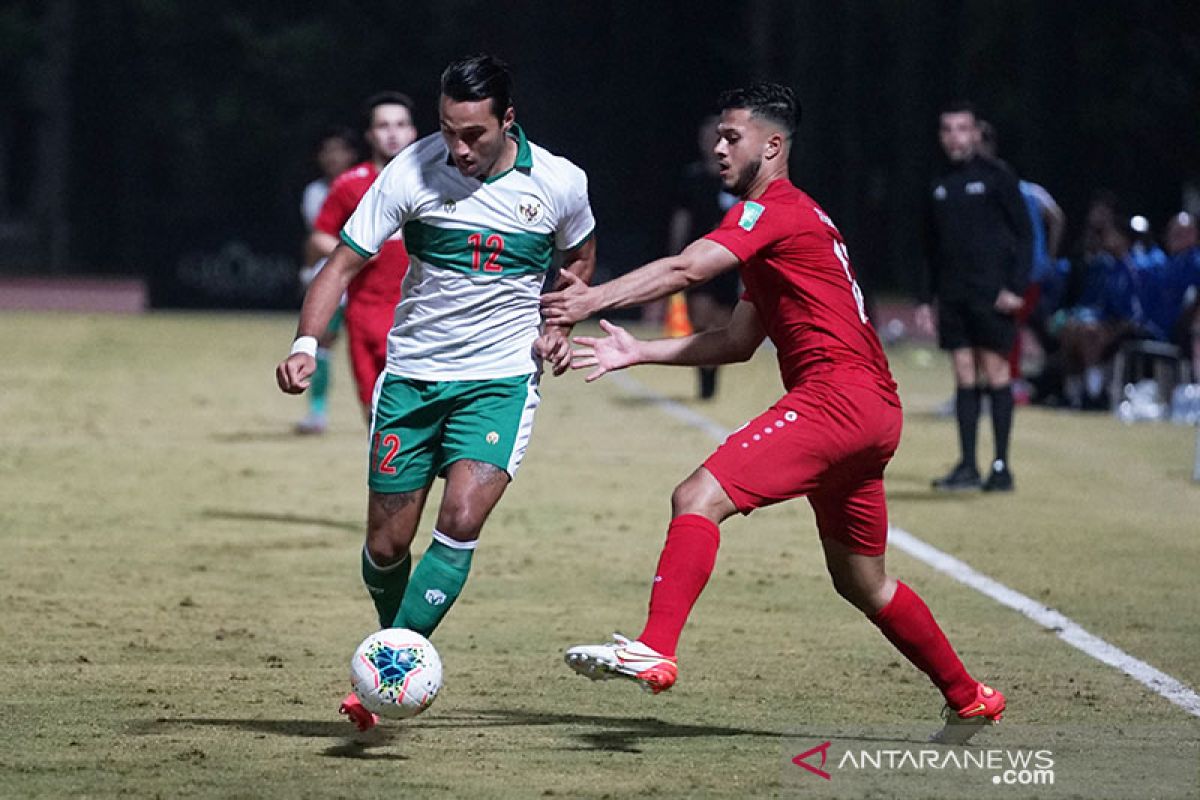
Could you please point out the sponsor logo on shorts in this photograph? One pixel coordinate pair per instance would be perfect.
(435, 597)
(492, 437)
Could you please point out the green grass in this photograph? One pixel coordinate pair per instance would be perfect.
(179, 592)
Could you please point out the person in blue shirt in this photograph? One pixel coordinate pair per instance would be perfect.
(1108, 310)
(1182, 241)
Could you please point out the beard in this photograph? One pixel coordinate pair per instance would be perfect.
(741, 184)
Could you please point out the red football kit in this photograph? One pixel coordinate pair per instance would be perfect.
(830, 437)
(372, 296)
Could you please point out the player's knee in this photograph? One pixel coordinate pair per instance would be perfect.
(460, 521)
(689, 497)
(385, 550)
(864, 593)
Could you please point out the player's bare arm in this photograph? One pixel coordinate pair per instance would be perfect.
(320, 302)
(620, 349)
(554, 345)
(319, 245)
(699, 262)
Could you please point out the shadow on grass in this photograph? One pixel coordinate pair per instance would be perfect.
(234, 437)
(634, 402)
(283, 519)
(929, 495)
(350, 744)
(611, 734)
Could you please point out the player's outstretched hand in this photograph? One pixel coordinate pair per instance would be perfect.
(294, 372)
(570, 302)
(554, 346)
(616, 351)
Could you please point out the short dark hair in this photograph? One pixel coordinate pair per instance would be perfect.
(770, 101)
(959, 106)
(384, 99)
(343, 132)
(479, 77)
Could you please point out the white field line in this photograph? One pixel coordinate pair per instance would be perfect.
(1063, 627)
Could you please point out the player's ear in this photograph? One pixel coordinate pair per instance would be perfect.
(774, 145)
(506, 122)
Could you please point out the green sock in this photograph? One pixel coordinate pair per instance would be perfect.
(318, 389)
(436, 583)
(386, 586)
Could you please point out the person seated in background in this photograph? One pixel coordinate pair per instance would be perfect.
(1145, 252)
(1162, 284)
(1107, 312)
(1182, 244)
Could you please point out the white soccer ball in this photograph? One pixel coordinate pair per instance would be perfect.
(396, 673)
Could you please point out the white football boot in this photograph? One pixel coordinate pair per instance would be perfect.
(622, 658)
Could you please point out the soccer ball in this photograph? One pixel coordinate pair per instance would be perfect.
(396, 673)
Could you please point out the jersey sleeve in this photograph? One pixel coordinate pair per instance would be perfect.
(745, 230)
(338, 206)
(383, 209)
(576, 223)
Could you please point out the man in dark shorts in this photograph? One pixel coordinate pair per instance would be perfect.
(700, 203)
(978, 245)
(828, 438)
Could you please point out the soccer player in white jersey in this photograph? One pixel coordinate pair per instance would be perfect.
(483, 211)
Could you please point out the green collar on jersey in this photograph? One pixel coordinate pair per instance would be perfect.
(524, 161)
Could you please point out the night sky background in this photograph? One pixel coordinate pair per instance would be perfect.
(140, 137)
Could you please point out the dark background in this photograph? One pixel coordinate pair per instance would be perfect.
(171, 139)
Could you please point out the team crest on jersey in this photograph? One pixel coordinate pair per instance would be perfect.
(751, 211)
(449, 206)
(530, 210)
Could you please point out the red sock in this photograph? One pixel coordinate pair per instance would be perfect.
(683, 568)
(908, 624)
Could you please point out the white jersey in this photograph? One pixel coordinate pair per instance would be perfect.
(478, 255)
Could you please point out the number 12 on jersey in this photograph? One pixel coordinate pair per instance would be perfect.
(494, 243)
(843, 255)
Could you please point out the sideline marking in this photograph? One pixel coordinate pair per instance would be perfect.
(1063, 626)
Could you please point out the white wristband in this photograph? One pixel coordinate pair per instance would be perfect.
(306, 345)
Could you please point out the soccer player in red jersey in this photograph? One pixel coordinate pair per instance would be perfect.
(372, 296)
(828, 438)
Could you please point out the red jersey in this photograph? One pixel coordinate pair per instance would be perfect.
(378, 282)
(798, 275)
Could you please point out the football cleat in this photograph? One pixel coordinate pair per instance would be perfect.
(963, 477)
(313, 424)
(357, 713)
(622, 658)
(1000, 479)
(986, 709)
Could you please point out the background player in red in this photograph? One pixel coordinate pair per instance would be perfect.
(829, 438)
(373, 294)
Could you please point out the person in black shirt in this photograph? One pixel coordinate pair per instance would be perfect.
(978, 246)
(700, 203)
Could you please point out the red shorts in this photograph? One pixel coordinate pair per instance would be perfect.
(828, 441)
(367, 327)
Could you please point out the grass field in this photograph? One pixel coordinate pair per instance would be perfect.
(179, 593)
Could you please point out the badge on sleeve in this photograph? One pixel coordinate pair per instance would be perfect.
(751, 211)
